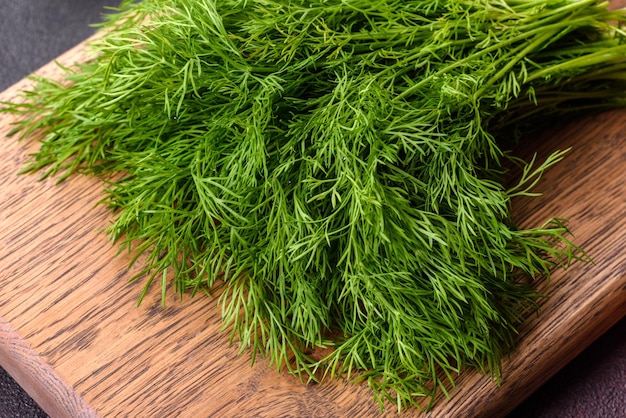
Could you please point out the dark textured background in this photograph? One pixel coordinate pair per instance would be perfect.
(33, 32)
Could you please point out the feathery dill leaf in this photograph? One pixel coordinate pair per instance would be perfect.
(337, 165)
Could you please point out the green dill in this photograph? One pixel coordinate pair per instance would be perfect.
(337, 166)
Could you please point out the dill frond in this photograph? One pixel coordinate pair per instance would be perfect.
(337, 165)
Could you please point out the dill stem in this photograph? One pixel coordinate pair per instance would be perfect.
(470, 57)
(512, 58)
(588, 60)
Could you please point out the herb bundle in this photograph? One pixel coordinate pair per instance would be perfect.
(336, 165)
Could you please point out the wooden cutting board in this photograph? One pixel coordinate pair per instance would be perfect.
(72, 335)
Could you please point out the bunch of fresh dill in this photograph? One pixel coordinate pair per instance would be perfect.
(336, 165)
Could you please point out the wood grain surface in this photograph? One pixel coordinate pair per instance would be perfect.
(72, 335)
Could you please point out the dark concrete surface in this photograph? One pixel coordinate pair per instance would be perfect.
(33, 32)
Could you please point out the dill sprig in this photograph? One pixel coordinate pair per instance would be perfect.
(336, 165)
